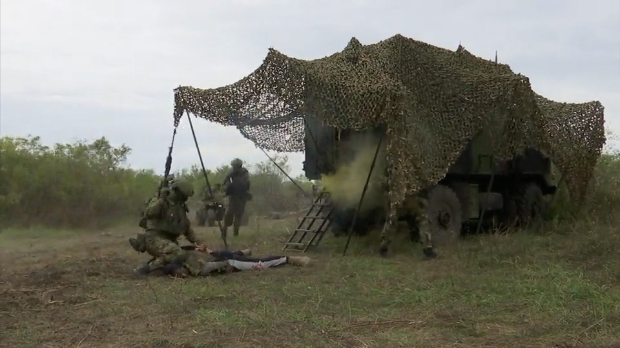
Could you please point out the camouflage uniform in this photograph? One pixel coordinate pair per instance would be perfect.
(166, 221)
(414, 208)
(212, 202)
(237, 184)
(163, 191)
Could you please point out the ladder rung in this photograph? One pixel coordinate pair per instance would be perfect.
(314, 217)
(318, 211)
(306, 231)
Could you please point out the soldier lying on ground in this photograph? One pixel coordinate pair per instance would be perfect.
(199, 262)
(237, 189)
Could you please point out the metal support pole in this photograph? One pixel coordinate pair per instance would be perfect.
(204, 173)
(277, 165)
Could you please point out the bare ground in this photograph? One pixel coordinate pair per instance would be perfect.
(76, 289)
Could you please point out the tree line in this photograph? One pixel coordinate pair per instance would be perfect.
(89, 184)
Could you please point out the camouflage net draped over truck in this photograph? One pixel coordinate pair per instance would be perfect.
(432, 100)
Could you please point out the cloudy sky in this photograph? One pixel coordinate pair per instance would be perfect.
(82, 69)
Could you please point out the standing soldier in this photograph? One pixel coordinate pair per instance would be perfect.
(237, 186)
(414, 208)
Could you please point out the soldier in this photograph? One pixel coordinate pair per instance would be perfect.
(163, 191)
(414, 207)
(166, 220)
(213, 202)
(237, 186)
(212, 198)
(208, 262)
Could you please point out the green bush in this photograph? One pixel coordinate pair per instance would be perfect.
(89, 185)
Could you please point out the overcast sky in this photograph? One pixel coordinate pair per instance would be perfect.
(82, 69)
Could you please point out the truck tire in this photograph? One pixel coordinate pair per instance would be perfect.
(444, 212)
(530, 203)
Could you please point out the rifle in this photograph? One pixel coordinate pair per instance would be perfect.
(164, 181)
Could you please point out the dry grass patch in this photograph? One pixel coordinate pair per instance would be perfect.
(68, 289)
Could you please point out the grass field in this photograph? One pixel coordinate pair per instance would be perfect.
(560, 288)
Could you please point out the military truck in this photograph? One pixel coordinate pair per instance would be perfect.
(433, 102)
(477, 186)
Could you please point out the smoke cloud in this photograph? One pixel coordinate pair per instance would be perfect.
(347, 184)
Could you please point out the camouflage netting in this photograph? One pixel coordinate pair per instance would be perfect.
(432, 100)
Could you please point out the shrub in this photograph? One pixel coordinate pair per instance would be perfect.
(88, 184)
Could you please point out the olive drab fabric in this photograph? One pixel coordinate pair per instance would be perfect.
(183, 187)
(237, 182)
(235, 208)
(432, 101)
(166, 221)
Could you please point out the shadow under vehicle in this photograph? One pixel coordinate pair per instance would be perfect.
(477, 191)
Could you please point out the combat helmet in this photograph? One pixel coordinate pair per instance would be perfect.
(184, 187)
(236, 163)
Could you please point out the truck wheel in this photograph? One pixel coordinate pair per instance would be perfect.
(444, 212)
(529, 204)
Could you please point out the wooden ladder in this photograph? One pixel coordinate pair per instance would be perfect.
(313, 226)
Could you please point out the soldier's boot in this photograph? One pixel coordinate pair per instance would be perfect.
(301, 261)
(429, 253)
(246, 252)
(236, 231)
(139, 243)
(142, 270)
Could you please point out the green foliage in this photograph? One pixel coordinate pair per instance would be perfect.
(86, 184)
(68, 184)
(603, 194)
